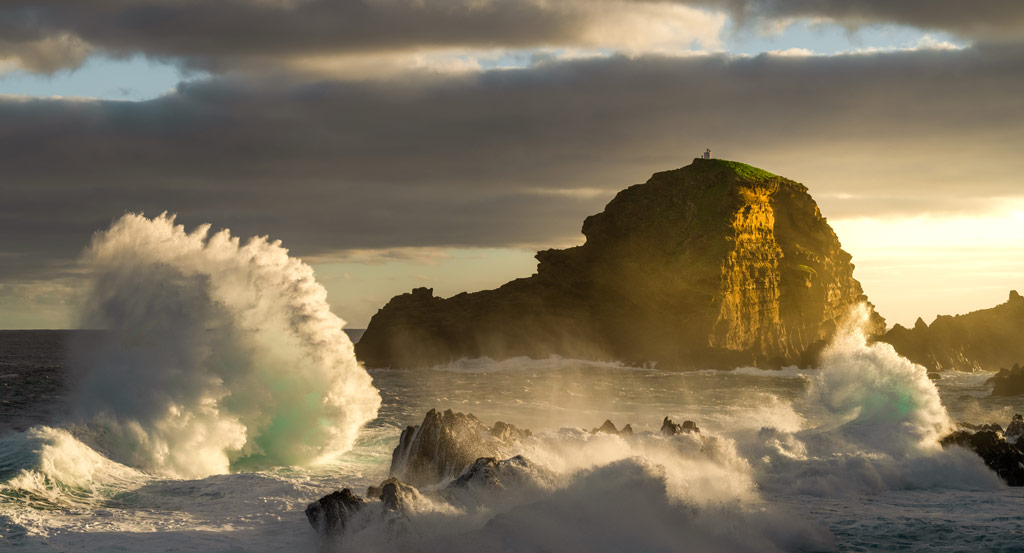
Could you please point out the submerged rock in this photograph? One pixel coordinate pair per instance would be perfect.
(444, 444)
(1008, 382)
(999, 454)
(670, 428)
(982, 340)
(717, 264)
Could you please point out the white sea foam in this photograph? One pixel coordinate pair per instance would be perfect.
(876, 423)
(217, 353)
(599, 492)
(45, 467)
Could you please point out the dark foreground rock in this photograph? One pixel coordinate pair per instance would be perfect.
(1008, 382)
(982, 340)
(717, 264)
(1004, 457)
(330, 515)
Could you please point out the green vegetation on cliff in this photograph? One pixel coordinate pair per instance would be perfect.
(716, 264)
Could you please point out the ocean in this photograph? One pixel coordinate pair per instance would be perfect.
(836, 459)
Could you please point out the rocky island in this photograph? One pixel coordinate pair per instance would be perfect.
(717, 264)
(983, 340)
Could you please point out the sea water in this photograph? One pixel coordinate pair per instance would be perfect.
(222, 396)
(816, 490)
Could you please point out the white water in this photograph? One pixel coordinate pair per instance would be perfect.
(218, 354)
(840, 458)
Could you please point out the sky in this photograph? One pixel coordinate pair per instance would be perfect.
(402, 143)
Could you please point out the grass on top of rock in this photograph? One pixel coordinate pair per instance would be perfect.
(748, 172)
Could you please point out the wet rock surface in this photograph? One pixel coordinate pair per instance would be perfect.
(330, 515)
(989, 442)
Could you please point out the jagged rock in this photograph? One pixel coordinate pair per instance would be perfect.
(934, 376)
(491, 473)
(717, 264)
(670, 428)
(983, 340)
(330, 514)
(1008, 382)
(1015, 429)
(609, 428)
(1004, 458)
(444, 444)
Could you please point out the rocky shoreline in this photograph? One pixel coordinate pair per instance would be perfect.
(456, 458)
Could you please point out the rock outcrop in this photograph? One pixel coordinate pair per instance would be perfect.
(717, 264)
(444, 444)
(441, 444)
(1000, 455)
(1008, 382)
(330, 515)
(608, 427)
(983, 340)
(670, 428)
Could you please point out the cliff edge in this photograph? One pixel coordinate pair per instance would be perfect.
(714, 265)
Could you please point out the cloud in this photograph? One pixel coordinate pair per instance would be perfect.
(254, 34)
(979, 20)
(43, 55)
(504, 158)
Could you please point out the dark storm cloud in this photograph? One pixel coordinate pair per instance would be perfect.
(223, 34)
(505, 157)
(218, 34)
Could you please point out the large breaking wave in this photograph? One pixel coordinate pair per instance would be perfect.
(217, 354)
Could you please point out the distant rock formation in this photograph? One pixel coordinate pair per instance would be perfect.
(717, 264)
(1008, 382)
(983, 340)
(989, 442)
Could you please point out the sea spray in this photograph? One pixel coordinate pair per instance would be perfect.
(881, 400)
(216, 353)
(874, 421)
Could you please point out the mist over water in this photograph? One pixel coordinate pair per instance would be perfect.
(217, 355)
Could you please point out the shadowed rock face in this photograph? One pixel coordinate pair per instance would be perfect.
(989, 442)
(717, 264)
(444, 444)
(1008, 382)
(983, 340)
(330, 514)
